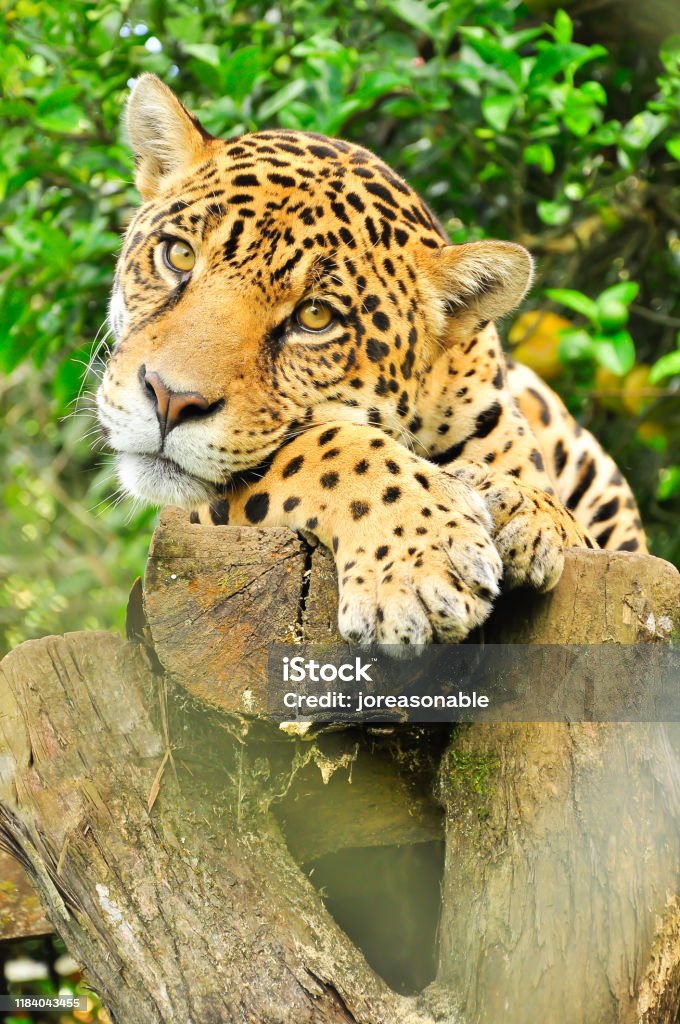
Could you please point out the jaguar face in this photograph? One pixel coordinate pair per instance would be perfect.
(268, 283)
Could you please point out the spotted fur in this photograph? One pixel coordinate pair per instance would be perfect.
(398, 436)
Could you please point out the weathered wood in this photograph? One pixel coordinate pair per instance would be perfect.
(193, 910)
(203, 601)
(216, 597)
(353, 789)
(566, 846)
(534, 850)
(603, 597)
(563, 851)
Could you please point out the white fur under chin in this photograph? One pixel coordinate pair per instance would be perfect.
(160, 482)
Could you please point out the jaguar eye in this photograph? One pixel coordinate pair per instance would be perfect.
(179, 256)
(314, 316)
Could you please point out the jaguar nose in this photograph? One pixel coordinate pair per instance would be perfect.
(174, 407)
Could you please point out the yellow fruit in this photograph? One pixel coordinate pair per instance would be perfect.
(638, 393)
(534, 338)
(653, 434)
(608, 390)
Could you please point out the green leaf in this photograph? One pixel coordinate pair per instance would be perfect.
(415, 13)
(554, 59)
(616, 352)
(280, 99)
(575, 346)
(577, 301)
(238, 73)
(67, 120)
(498, 110)
(564, 27)
(670, 54)
(187, 27)
(669, 483)
(376, 83)
(624, 292)
(13, 348)
(539, 153)
(580, 114)
(594, 91)
(500, 66)
(66, 383)
(554, 213)
(575, 191)
(642, 129)
(673, 147)
(666, 366)
(57, 99)
(207, 53)
(515, 40)
(318, 46)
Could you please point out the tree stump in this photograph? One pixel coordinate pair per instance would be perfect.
(171, 832)
(216, 597)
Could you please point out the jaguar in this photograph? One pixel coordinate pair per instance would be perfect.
(296, 343)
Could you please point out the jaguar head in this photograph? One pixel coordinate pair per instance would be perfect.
(267, 283)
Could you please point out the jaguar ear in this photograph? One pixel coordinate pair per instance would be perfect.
(480, 281)
(164, 135)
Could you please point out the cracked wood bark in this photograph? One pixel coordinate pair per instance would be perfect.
(564, 849)
(195, 910)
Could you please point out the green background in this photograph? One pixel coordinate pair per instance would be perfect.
(559, 130)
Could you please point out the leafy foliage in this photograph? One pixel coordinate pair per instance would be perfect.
(509, 126)
(607, 342)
